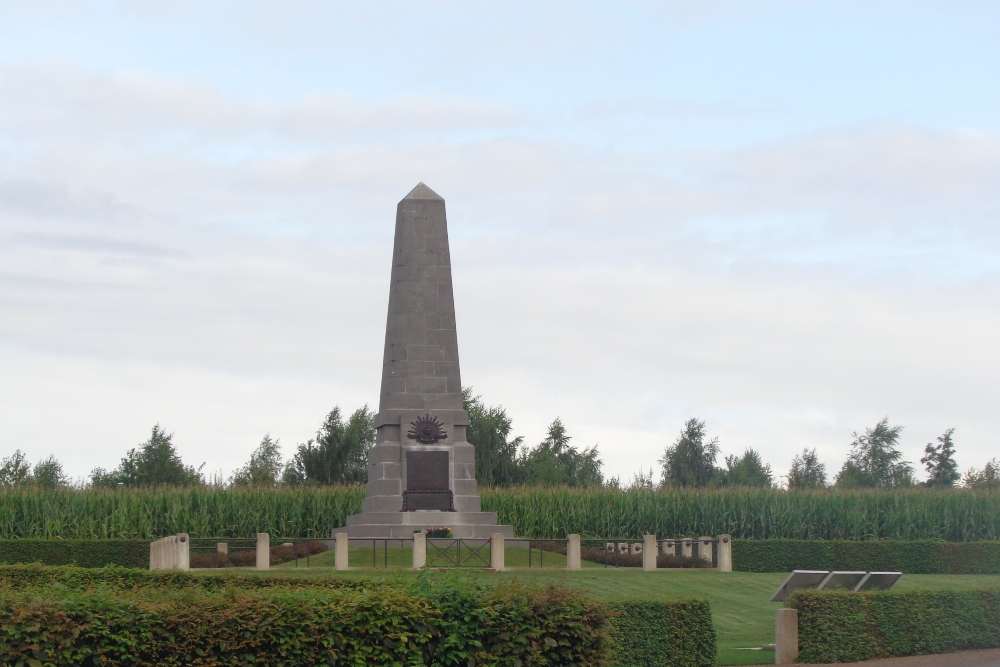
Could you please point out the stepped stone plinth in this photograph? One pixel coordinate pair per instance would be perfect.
(421, 470)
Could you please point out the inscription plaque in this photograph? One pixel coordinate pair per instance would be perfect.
(427, 471)
(427, 482)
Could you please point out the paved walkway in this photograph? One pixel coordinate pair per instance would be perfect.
(985, 658)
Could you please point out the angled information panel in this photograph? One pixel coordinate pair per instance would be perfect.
(797, 580)
(878, 581)
(842, 581)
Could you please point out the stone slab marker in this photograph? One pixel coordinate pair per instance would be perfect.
(725, 553)
(421, 470)
(263, 551)
(497, 552)
(341, 556)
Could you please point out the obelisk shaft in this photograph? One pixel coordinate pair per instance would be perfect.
(420, 365)
(421, 470)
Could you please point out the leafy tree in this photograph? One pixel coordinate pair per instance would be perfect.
(264, 467)
(14, 469)
(806, 471)
(48, 473)
(987, 478)
(489, 432)
(338, 454)
(555, 461)
(939, 459)
(153, 463)
(875, 461)
(746, 470)
(690, 461)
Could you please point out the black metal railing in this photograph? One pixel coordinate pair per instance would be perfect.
(458, 552)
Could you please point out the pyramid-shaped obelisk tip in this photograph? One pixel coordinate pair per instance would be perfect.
(423, 192)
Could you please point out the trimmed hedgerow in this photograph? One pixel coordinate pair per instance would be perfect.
(663, 633)
(839, 626)
(29, 577)
(474, 617)
(85, 553)
(448, 622)
(910, 556)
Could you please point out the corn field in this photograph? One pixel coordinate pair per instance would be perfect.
(536, 512)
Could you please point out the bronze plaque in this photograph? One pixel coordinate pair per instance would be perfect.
(427, 471)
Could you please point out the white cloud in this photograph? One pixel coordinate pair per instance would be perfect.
(219, 264)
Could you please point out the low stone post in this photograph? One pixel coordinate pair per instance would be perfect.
(341, 558)
(222, 552)
(705, 549)
(183, 552)
(573, 552)
(263, 551)
(725, 553)
(419, 550)
(687, 550)
(648, 553)
(497, 552)
(786, 637)
(670, 547)
(154, 561)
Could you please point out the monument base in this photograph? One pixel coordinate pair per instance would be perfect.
(403, 524)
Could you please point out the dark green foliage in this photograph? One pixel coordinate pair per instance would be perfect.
(875, 461)
(806, 471)
(987, 478)
(154, 463)
(489, 431)
(85, 553)
(939, 459)
(339, 453)
(850, 627)
(15, 469)
(194, 620)
(910, 557)
(690, 461)
(746, 470)
(555, 462)
(651, 633)
(264, 467)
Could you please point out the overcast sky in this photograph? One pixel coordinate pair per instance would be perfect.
(778, 217)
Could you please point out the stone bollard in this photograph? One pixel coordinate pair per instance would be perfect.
(705, 549)
(670, 547)
(341, 559)
(183, 552)
(419, 550)
(221, 552)
(263, 551)
(648, 553)
(573, 552)
(497, 552)
(687, 550)
(786, 637)
(725, 553)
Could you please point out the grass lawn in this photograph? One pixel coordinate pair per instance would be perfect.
(742, 615)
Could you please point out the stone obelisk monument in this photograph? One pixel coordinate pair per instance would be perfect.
(421, 470)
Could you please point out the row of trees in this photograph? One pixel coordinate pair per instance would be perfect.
(339, 455)
(874, 461)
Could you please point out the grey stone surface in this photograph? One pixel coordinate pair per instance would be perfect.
(420, 376)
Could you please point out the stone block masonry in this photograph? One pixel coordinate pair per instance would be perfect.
(421, 470)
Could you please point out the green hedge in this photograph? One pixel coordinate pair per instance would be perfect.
(909, 556)
(642, 632)
(850, 627)
(85, 553)
(430, 621)
(675, 633)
